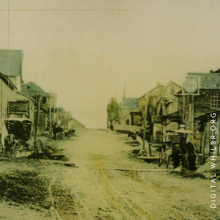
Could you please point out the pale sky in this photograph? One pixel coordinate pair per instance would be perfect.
(86, 57)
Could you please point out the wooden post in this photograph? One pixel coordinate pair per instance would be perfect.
(49, 117)
(144, 136)
(59, 115)
(64, 120)
(150, 150)
(204, 139)
(38, 116)
(201, 142)
(184, 105)
(54, 111)
(193, 115)
(144, 130)
(1, 100)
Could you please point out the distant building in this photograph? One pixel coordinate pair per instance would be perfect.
(148, 109)
(47, 104)
(159, 107)
(75, 124)
(156, 91)
(31, 89)
(129, 112)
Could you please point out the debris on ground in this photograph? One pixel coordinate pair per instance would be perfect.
(133, 143)
(49, 151)
(206, 169)
(35, 190)
(69, 165)
(136, 152)
(178, 169)
(139, 152)
(62, 163)
(187, 173)
(25, 187)
(63, 202)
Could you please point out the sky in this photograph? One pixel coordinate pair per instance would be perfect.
(87, 57)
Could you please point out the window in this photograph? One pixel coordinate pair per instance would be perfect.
(215, 100)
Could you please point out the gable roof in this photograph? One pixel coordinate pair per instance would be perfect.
(7, 81)
(130, 103)
(15, 58)
(162, 87)
(32, 89)
(173, 83)
(207, 80)
(159, 86)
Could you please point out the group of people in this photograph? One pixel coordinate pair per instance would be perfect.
(183, 152)
(57, 130)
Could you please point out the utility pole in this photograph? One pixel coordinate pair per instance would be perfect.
(38, 116)
(1, 134)
(64, 120)
(193, 115)
(49, 117)
(184, 105)
(144, 130)
(54, 111)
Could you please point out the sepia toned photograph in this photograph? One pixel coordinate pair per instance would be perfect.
(109, 110)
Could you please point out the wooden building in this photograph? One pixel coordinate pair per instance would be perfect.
(200, 95)
(160, 107)
(7, 93)
(45, 103)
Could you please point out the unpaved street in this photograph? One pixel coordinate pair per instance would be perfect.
(109, 184)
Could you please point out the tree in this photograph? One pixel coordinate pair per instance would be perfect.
(113, 110)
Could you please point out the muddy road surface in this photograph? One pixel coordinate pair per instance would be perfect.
(100, 181)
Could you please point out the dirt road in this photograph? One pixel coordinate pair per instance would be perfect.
(109, 184)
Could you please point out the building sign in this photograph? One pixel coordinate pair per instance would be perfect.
(191, 85)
